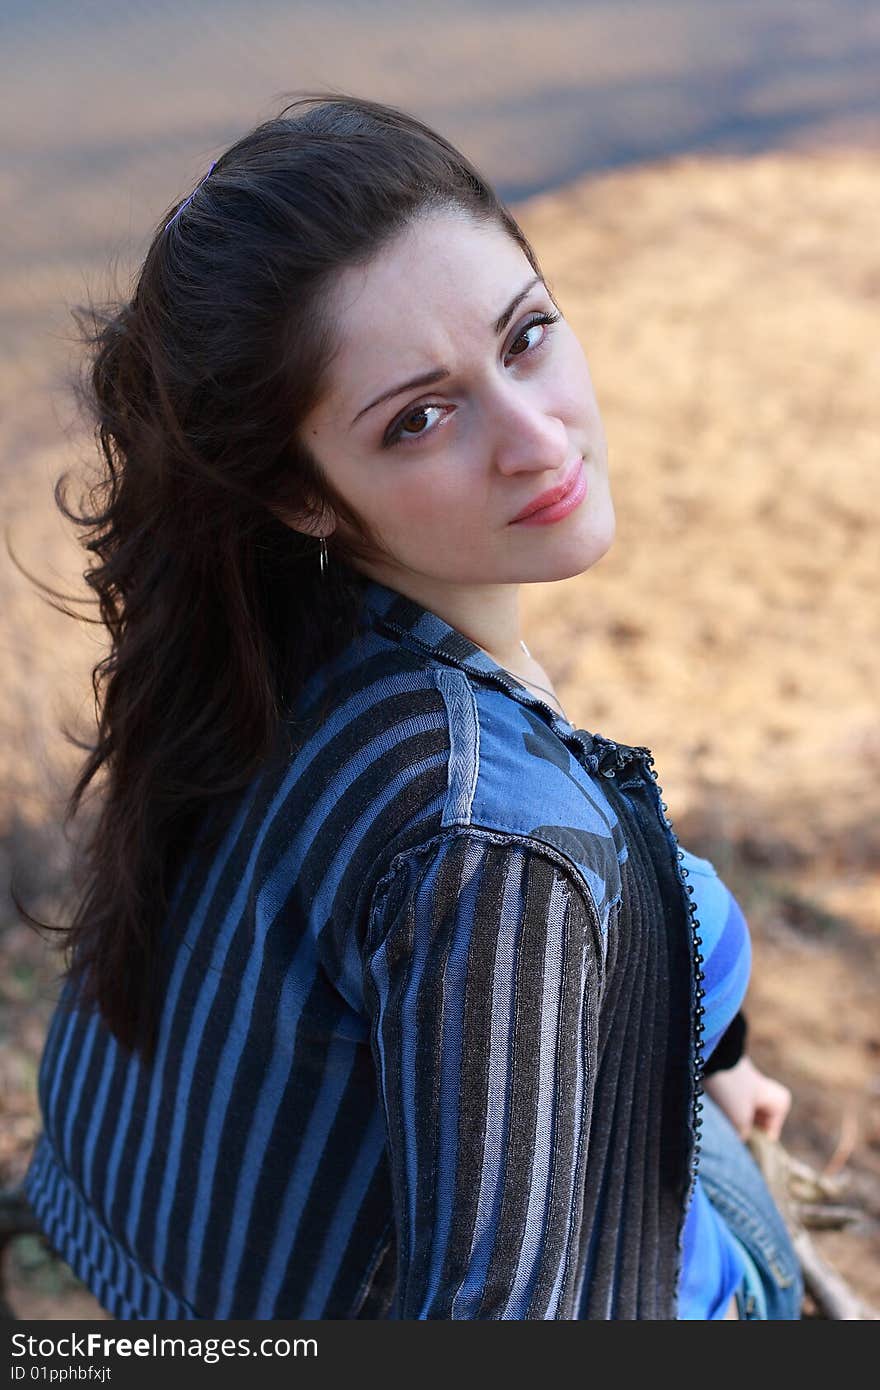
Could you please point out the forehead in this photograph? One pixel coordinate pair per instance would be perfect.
(445, 275)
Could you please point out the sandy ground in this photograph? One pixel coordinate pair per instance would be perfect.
(728, 308)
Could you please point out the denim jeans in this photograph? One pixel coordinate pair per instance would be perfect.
(772, 1287)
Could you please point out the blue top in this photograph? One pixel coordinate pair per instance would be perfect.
(712, 1266)
(426, 1032)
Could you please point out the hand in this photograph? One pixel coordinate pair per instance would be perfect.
(749, 1099)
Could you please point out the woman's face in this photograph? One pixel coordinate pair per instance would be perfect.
(440, 470)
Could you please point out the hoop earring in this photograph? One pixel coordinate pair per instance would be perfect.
(322, 556)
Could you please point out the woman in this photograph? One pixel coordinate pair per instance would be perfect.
(386, 994)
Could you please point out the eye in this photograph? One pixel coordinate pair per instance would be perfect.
(398, 431)
(533, 323)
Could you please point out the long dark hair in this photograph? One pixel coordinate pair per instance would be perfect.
(216, 609)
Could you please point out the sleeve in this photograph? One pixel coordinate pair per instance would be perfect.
(482, 975)
(729, 1048)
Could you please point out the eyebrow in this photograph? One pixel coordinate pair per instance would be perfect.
(439, 373)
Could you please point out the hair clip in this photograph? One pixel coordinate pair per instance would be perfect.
(186, 202)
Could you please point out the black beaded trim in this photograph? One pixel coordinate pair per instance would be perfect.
(700, 993)
(606, 756)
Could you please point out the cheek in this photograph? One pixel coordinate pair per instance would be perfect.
(417, 499)
(576, 385)
(399, 496)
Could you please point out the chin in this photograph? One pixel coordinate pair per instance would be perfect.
(589, 550)
(603, 529)
(570, 561)
(583, 562)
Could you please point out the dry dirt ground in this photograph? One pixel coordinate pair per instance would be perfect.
(729, 312)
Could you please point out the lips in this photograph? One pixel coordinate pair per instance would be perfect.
(553, 494)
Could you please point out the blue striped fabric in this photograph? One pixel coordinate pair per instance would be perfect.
(712, 1266)
(424, 986)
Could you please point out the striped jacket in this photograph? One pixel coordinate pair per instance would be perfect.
(430, 1041)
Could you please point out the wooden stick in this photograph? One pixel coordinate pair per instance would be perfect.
(830, 1291)
(849, 1134)
(827, 1216)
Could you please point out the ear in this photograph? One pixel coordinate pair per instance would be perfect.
(310, 523)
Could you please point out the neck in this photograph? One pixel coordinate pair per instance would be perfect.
(488, 614)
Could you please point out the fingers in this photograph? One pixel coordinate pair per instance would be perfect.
(772, 1108)
(743, 1118)
(749, 1099)
(769, 1123)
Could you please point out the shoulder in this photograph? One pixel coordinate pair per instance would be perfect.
(510, 771)
(400, 727)
(506, 771)
(375, 710)
(482, 891)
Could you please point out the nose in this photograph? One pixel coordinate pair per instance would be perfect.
(527, 438)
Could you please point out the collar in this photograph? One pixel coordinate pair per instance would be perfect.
(407, 621)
